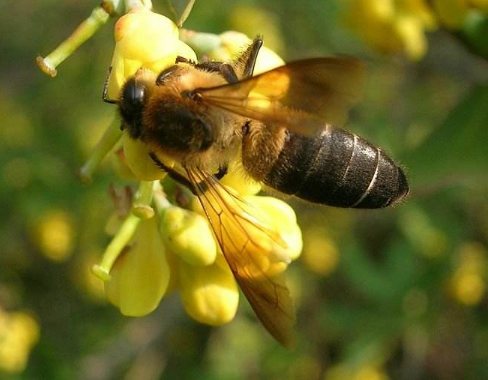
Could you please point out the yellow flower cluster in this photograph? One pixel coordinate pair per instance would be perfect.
(392, 26)
(54, 234)
(19, 332)
(176, 248)
(364, 372)
(468, 282)
(452, 13)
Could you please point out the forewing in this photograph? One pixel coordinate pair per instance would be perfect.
(302, 95)
(245, 241)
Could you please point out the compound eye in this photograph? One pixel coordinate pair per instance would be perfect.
(134, 94)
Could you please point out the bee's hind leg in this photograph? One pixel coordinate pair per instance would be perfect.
(247, 60)
(224, 69)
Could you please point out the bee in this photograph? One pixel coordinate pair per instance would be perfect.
(284, 127)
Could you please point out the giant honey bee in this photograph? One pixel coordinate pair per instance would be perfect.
(282, 125)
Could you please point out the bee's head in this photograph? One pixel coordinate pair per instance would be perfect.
(133, 99)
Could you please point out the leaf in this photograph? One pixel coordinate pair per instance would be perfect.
(178, 10)
(457, 152)
(386, 281)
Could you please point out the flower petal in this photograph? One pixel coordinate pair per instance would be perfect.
(209, 294)
(140, 276)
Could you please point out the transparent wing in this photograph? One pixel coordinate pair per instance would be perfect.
(301, 95)
(247, 244)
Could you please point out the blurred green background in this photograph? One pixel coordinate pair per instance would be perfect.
(389, 294)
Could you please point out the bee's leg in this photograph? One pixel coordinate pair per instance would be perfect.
(180, 59)
(228, 73)
(249, 57)
(224, 69)
(178, 177)
(222, 172)
(181, 179)
(105, 88)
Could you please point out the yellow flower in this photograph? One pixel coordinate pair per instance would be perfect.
(54, 234)
(176, 248)
(282, 219)
(232, 43)
(468, 282)
(19, 332)
(138, 161)
(253, 19)
(189, 236)
(147, 40)
(209, 293)
(240, 181)
(140, 276)
(451, 12)
(270, 233)
(364, 372)
(143, 38)
(321, 253)
(392, 26)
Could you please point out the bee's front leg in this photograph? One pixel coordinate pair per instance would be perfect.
(222, 172)
(175, 175)
(105, 88)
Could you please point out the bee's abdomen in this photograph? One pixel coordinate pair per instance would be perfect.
(337, 168)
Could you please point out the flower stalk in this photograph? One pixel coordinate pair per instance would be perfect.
(111, 136)
(83, 32)
(142, 204)
(114, 249)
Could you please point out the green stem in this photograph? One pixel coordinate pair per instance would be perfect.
(112, 7)
(142, 206)
(106, 143)
(83, 32)
(113, 250)
(160, 201)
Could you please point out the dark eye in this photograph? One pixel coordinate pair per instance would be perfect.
(131, 106)
(134, 94)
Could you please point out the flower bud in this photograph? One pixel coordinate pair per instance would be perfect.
(411, 31)
(209, 293)
(18, 333)
(283, 220)
(143, 39)
(321, 253)
(189, 236)
(232, 44)
(468, 282)
(392, 26)
(54, 235)
(468, 288)
(140, 276)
